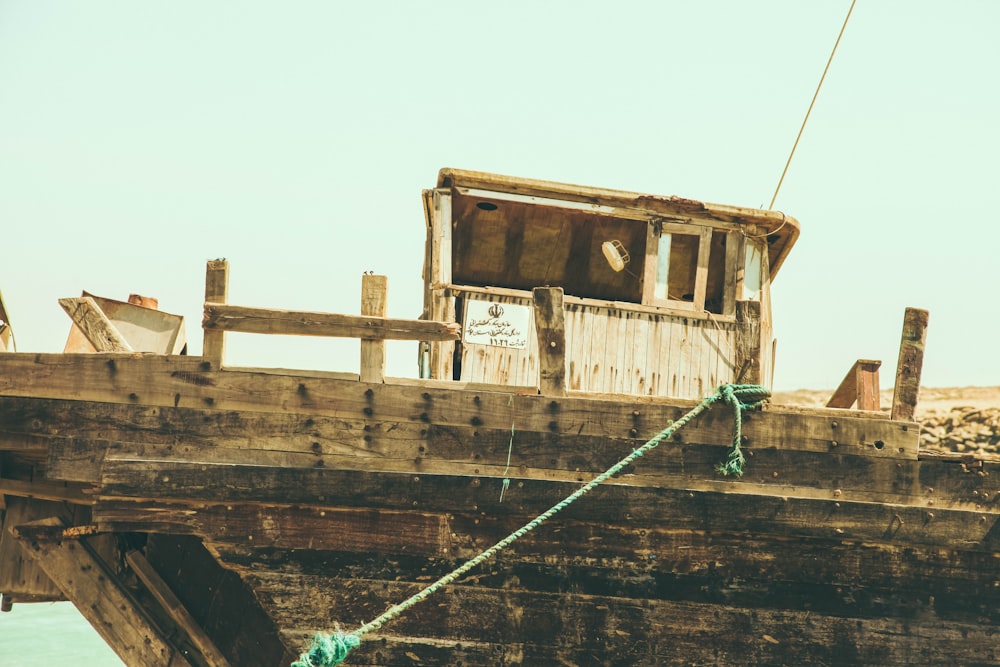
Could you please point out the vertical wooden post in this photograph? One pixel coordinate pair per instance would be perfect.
(550, 330)
(216, 291)
(859, 385)
(910, 364)
(748, 353)
(373, 298)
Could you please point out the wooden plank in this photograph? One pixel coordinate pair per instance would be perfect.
(748, 356)
(701, 273)
(103, 600)
(95, 325)
(216, 291)
(219, 601)
(860, 385)
(47, 490)
(760, 512)
(183, 382)
(177, 612)
(320, 528)
(625, 631)
(550, 332)
(910, 364)
(650, 261)
(374, 291)
(222, 317)
(732, 283)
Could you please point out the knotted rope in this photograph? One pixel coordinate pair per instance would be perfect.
(332, 649)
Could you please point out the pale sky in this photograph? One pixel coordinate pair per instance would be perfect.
(140, 139)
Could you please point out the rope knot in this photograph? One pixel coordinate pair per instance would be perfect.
(328, 650)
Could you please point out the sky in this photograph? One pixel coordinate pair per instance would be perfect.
(140, 139)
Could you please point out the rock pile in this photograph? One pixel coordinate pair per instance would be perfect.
(964, 429)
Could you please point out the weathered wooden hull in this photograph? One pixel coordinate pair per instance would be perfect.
(332, 499)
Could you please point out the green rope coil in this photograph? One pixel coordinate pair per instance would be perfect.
(330, 650)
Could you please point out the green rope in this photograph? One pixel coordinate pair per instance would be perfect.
(330, 650)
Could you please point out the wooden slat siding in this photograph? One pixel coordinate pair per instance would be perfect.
(95, 325)
(181, 381)
(860, 385)
(550, 332)
(247, 319)
(374, 292)
(177, 612)
(910, 363)
(103, 600)
(502, 365)
(216, 291)
(638, 366)
(574, 346)
(635, 632)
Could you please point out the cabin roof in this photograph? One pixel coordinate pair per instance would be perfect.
(781, 230)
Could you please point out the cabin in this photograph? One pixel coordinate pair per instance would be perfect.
(662, 296)
(203, 514)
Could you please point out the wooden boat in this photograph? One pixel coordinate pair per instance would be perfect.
(202, 514)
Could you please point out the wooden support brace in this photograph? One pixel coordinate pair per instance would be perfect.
(860, 385)
(95, 325)
(374, 290)
(910, 364)
(86, 580)
(175, 609)
(216, 291)
(550, 327)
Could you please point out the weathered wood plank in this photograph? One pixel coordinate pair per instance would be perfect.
(183, 382)
(259, 526)
(216, 291)
(95, 325)
(223, 317)
(910, 364)
(175, 609)
(102, 599)
(634, 632)
(47, 490)
(860, 386)
(550, 332)
(748, 342)
(374, 291)
(758, 513)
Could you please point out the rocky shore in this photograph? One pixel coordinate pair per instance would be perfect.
(963, 420)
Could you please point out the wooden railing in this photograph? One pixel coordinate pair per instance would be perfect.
(372, 327)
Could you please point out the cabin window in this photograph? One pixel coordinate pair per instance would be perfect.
(690, 268)
(752, 272)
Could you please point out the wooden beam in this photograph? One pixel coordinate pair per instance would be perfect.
(747, 366)
(373, 303)
(87, 581)
(550, 329)
(860, 386)
(910, 364)
(95, 325)
(216, 291)
(222, 317)
(177, 612)
(45, 490)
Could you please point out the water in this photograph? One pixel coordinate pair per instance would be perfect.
(51, 633)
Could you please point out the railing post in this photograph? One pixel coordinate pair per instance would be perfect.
(373, 302)
(550, 330)
(860, 385)
(910, 364)
(216, 291)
